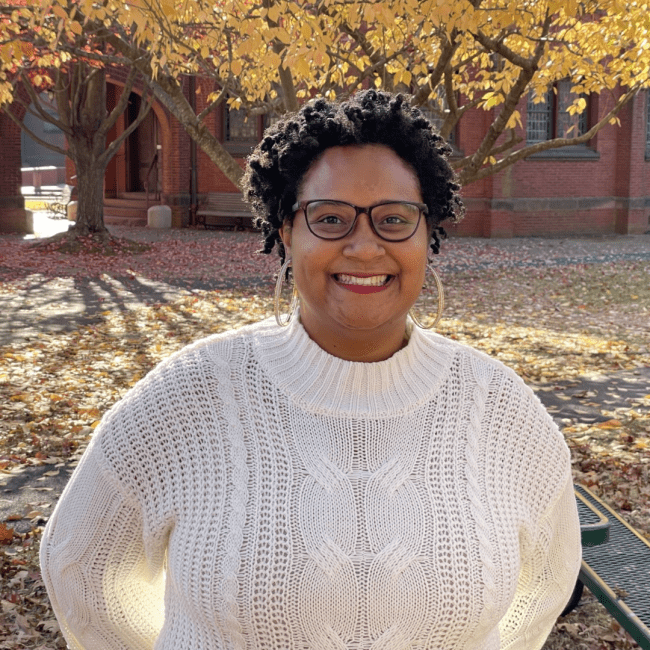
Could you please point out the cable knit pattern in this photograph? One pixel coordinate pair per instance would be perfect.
(482, 376)
(236, 510)
(255, 493)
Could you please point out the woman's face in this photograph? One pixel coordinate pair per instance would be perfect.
(329, 307)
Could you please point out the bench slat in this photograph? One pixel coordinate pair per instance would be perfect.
(224, 208)
(617, 572)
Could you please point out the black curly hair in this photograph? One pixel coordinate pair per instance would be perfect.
(290, 147)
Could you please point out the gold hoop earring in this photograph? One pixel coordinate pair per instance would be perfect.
(278, 293)
(441, 302)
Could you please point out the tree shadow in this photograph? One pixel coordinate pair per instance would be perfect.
(584, 399)
(64, 304)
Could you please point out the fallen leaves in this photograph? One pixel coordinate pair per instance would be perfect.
(6, 534)
(590, 628)
(199, 257)
(550, 323)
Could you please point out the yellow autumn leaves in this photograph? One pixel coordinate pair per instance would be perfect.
(331, 42)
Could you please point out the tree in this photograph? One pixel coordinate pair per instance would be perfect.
(452, 55)
(30, 65)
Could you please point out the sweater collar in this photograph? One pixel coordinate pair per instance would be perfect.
(319, 382)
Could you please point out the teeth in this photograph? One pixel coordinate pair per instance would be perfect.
(372, 281)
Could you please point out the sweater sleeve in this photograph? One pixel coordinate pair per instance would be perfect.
(106, 587)
(547, 575)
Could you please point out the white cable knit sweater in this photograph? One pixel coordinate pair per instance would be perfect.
(255, 493)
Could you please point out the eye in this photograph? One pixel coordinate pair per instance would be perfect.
(393, 219)
(396, 215)
(329, 218)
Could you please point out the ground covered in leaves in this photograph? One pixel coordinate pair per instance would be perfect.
(81, 329)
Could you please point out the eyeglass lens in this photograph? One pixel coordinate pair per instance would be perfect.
(333, 219)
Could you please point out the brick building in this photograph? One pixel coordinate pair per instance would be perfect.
(597, 188)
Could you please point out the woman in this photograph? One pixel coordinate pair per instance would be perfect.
(347, 481)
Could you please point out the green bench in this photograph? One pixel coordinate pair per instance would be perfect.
(615, 566)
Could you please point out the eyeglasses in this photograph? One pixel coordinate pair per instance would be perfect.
(391, 220)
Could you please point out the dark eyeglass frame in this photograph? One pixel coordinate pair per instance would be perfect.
(303, 205)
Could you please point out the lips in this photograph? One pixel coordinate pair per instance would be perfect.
(363, 283)
(362, 280)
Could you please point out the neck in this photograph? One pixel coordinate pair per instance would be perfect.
(357, 345)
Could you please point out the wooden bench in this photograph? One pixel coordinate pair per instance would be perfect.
(615, 566)
(219, 209)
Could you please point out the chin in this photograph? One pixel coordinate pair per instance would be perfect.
(362, 322)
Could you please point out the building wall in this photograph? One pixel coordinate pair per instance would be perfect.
(33, 153)
(556, 193)
(600, 189)
(477, 194)
(13, 217)
(585, 190)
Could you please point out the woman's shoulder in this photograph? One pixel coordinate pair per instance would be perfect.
(222, 342)
(493, 375)
(176, 401)
(182, 377)
(520, 428)
(221, 347)
(481, 362)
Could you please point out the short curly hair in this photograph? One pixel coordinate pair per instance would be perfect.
(278, 164)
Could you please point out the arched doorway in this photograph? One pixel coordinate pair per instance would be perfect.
(137, 163)
(142, 164)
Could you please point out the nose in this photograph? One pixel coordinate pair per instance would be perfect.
(363, 242)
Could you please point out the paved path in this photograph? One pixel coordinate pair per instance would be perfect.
(584, 398)
(63, 304)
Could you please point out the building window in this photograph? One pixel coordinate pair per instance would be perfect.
(270, 119)
(551, 119)
(48, 127)
(539, 121)
(242, 131)
(240, 128)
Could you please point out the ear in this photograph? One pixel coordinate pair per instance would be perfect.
(285, 236)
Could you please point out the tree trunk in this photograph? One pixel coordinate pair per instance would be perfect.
(87, 146)
(90, 189)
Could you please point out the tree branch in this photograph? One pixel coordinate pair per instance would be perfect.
(452, 105)
(121, 104)
(555, 143)
(448, 50)
(512, 141)
(33, 95)
(76, 99)
(33, 136)
(378, 62)
(286, 78)
(112, 148)
(497, 45)
(526, 73)
(210, 107)
(62, 104)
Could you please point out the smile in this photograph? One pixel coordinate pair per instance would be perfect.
(369, 284)
(370, 281)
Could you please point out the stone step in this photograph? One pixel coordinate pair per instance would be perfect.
(125, 210)
(137, 196)
(129, 209)
(134, 203)
(127, 220)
